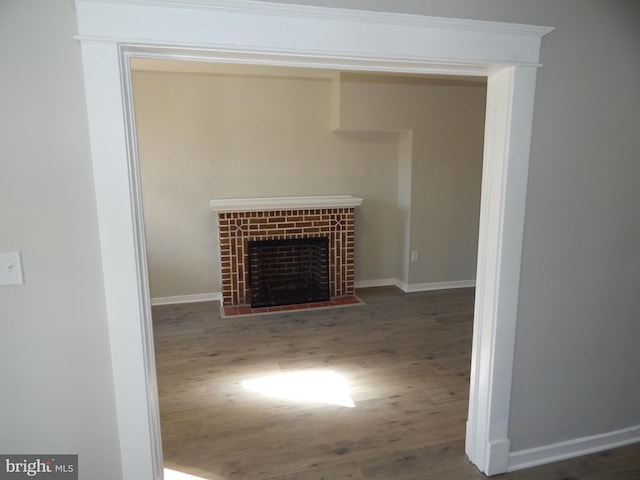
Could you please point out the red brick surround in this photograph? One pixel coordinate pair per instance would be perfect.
(237, 228)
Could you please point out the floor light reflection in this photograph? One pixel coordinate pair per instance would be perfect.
(175, 475)
(324, 386)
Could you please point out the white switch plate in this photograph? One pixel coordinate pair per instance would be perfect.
(11, 268)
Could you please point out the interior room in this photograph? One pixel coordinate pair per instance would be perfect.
(411, 148)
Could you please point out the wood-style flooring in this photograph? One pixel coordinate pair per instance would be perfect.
(405, 358)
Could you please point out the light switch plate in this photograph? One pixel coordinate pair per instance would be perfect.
(11, 268)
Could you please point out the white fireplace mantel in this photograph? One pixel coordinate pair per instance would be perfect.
(262, 204)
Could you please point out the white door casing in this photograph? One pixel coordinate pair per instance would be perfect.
(111, 32)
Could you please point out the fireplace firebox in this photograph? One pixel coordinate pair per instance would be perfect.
(288, 271)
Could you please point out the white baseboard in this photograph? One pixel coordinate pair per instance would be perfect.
(381, 282)
(425, 287)
(416, 287)
(497, 457)
(200, 297)
(572, 448)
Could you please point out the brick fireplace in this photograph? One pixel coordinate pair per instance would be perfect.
(258, 219)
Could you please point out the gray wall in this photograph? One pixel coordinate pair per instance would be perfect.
(55, 382)
(577, 370)
(577, 365)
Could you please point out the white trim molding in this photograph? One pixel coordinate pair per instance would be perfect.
(198, 297)
(572, 448)
(426, 287)
(113, 32)
(415, 287)
(379, 282)
(510, 95)
(382, 282)
(266, 204)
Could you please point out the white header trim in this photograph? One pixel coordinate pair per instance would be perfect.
(315, 13)
(307, 31)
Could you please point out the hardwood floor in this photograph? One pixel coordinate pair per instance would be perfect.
(405, 358)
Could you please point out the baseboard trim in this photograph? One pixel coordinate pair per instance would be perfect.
(416, 287)
(497, 457)
(572, 448)
(424, 287)
(200, 297)
(381, 282)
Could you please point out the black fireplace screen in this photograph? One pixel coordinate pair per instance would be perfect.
(289, 271)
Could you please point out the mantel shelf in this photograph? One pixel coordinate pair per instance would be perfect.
(284, 203)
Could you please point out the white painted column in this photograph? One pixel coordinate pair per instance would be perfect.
(124, 272)
(510, 96)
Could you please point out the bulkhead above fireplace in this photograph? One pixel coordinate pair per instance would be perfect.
(246, 223)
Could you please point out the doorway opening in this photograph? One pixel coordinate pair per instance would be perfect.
(111, 33)
(458, 395)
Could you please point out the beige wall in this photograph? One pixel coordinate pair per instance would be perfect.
(228, 136)
(56, 386)
(442, 171)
